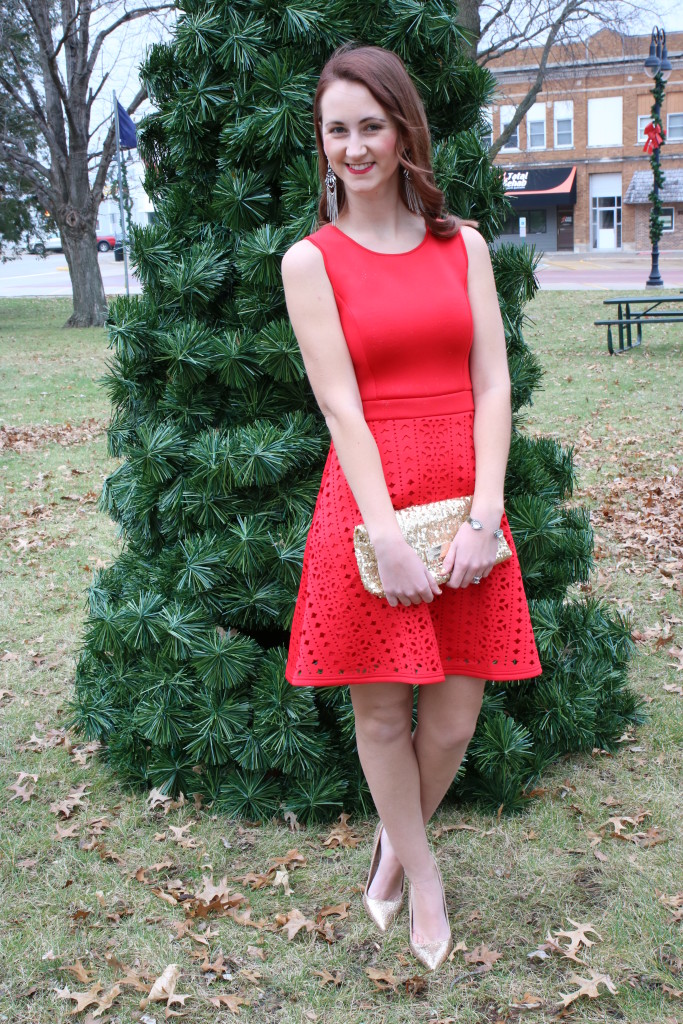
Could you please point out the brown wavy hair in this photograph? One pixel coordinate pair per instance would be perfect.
(384, 74)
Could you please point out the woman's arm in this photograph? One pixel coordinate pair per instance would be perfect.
(315, 319)
(472, 553)
(490, 384)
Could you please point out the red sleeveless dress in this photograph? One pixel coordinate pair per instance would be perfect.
(407, 322)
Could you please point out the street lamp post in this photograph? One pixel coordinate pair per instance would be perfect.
(657, 66)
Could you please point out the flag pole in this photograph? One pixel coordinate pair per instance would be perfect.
(121, 210)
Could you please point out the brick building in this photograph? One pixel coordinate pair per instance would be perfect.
(575, 168)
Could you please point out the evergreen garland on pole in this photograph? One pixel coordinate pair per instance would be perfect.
(222, 444)
(656, 133)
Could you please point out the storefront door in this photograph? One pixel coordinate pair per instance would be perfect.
(605, 192)
(565, 228)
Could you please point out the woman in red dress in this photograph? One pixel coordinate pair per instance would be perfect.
(394, 306)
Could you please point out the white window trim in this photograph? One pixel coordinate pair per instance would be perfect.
(528, 134)
(564, 145)
(505, 119)
(668, 231)
(675, 142)
(640, 136)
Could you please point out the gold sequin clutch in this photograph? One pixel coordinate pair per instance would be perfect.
(429, 529)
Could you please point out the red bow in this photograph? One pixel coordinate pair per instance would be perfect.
(654, 137)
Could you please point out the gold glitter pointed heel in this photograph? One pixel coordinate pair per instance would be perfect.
(382, 912)
(431, 954)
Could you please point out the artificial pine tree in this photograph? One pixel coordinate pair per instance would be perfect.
(182, 668)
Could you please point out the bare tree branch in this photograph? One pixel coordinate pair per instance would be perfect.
(129, 16)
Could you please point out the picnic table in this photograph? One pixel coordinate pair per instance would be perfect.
(634, 311)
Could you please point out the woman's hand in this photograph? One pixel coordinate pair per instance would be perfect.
(404, 575)
(471, 553)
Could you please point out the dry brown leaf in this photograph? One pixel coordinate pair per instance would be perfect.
(382, 979)
(483, 955)
(163, 987)
(83, 999)
(292, 922)
(21, 789)
(79, 972)
(339, 910)
(589, 986)
(342, 835)
(233, 1002)
(327, 978)
(577, 938)
(282, 878)
(256, 951)
(73, 800)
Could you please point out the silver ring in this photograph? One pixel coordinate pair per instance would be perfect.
(476, 579)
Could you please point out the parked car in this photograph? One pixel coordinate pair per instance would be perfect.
(53, 243)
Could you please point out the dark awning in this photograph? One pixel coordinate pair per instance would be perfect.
(540, 187)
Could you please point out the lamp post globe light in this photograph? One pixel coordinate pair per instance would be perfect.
(657, 66)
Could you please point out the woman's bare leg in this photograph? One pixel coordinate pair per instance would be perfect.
(383, 718)
(447, 717)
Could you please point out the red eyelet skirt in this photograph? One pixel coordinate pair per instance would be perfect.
(341, 633)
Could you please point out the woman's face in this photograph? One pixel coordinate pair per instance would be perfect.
(359, 137)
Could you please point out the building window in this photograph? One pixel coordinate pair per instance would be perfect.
(487, 133)
(536, 130)
(674, 128)
(667, 218)
(535, 126)
(536, 222)
(564, 124)
(506, 115)
(643, 122)
(605, 121)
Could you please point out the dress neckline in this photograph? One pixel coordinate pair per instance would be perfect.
(374, 252)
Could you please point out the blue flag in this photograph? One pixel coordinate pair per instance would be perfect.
(127, 135)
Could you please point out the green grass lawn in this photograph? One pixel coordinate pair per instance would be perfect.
(599, 846)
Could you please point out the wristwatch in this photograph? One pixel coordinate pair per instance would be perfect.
(477, 525)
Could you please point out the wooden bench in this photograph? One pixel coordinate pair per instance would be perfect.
(627, 318)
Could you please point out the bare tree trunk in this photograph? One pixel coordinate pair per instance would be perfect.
(90, 304)
(469, 19)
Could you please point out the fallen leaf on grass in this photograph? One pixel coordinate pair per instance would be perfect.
(577, 938)
(589, 986)
(233, 1002)
(282, 878)
(483, 955)
(79, 972)
(83, 999)
(74, 799)
(342, 835)
(256, 951)
(528, 1002)
(383, 980)
(25, 791)
(163, 989)
(327, 978)
(293, 921)
(339, 910)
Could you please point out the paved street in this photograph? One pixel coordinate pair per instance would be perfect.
(33, 275)
(49, 275)
(625, 271)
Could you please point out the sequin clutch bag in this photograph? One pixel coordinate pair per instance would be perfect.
(429, 529)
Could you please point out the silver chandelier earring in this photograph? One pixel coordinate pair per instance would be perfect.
(412, 198)
(331, 191)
